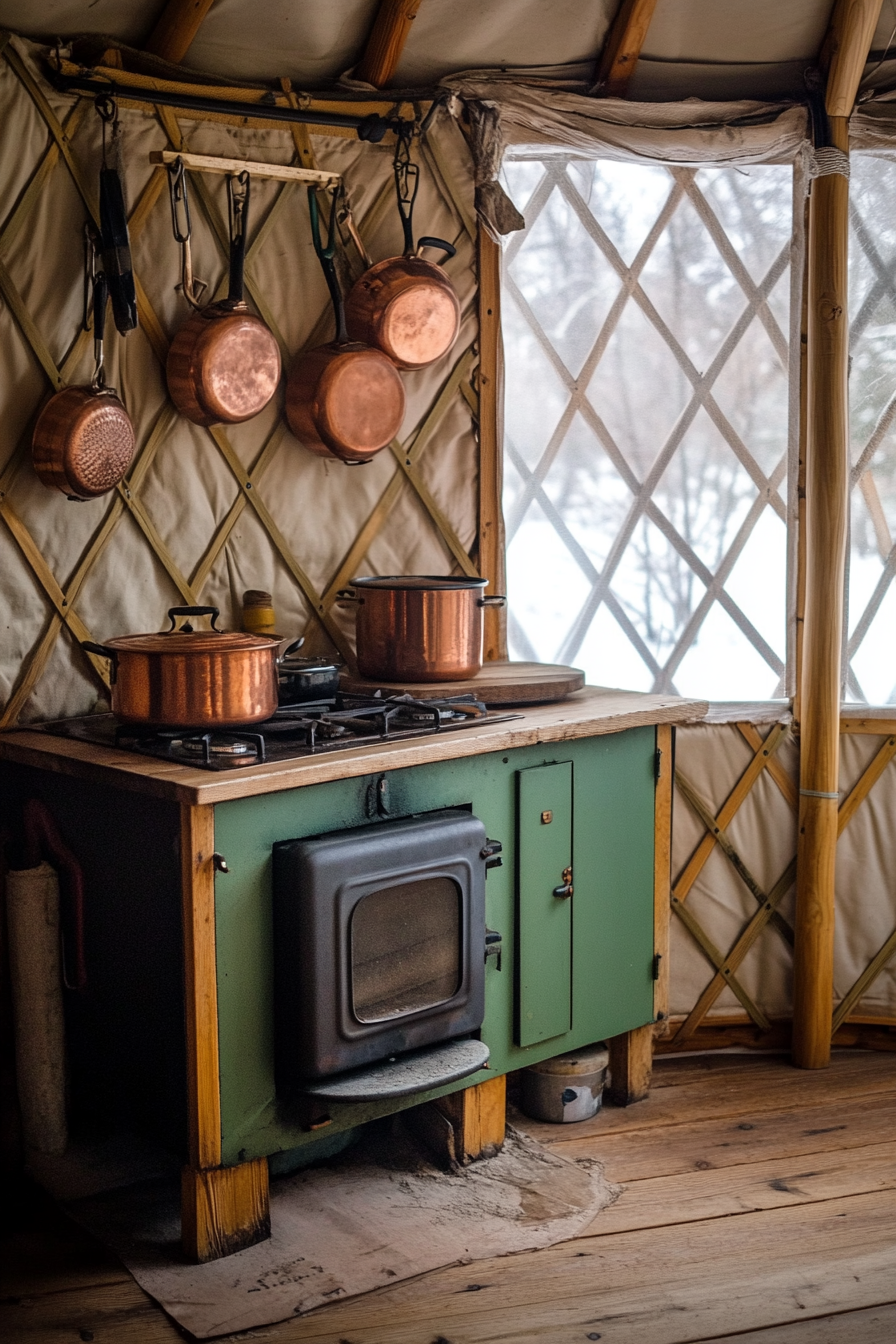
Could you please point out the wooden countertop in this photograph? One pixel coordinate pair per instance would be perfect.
(590, 712)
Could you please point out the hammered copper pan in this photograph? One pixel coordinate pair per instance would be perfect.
(224, 364)
(343, 399)
(83, 441)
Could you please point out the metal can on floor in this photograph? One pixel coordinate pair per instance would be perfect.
(566, 1088)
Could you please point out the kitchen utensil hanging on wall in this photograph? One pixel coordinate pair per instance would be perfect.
(344, 399)
(83, 441)
(224, 364)
(406, 306)
(116, 247)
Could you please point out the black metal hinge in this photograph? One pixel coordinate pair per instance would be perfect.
(657, 765)
(656, 965)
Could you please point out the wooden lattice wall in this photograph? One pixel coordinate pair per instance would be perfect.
(203, 514)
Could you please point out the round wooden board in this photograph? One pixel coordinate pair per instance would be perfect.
(496, 684)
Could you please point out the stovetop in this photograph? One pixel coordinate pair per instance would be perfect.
(294, 732)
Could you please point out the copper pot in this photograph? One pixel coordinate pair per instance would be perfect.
(419, 627)
(186, 678)
(343, 399)
(83, 441)
(224, 364)
(405, 306)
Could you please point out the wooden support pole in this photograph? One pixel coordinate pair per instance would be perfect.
(465, 1125)
(662, 869)
(176, 27)
(224, 1210)
(623, 47)
(827, 500)
(390, 32)
(491, 519)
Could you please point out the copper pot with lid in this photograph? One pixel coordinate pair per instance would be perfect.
(419, 627)
(186, 678)
(344, 399)
(224, 364)
(83, 441)
(406, 306)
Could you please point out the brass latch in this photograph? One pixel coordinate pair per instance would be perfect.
(564, 891)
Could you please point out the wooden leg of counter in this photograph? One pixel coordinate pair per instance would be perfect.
(224, 1209)
(465, 1125)
(631, 1065)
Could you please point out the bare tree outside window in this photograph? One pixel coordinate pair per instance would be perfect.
(650, 418)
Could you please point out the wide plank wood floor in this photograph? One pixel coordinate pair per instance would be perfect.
(757, 1207)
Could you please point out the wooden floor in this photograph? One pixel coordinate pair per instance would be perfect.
(758, 1207)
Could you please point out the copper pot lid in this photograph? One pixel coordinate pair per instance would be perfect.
(83, 442)
(432, 582)
(188, 641)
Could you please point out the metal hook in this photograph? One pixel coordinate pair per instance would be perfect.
(182, 227)
(91, 250)
(238, 187)
(107, 109)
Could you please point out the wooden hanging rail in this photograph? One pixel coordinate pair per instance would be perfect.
(278, 172)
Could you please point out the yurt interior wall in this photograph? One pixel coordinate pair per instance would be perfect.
(640, 234)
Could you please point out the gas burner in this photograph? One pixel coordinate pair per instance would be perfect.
(215, 746)
(296, 731)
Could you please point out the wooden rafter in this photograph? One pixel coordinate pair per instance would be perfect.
(390, 31)
(176, 28)
(845, 51)
(623, 47)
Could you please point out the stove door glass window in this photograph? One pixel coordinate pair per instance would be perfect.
(406, 949)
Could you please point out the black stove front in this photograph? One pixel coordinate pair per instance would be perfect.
(294, 732)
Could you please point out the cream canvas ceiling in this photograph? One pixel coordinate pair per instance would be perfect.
(694, 48)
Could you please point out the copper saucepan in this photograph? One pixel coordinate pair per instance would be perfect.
(344, 399)
(224, 364)
(83, 441)
(419, 627)
(186, 678)
(405, 306)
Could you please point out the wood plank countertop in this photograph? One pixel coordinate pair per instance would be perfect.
(590, 712)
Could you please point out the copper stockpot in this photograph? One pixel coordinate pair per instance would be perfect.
(419, 627)
(83, 441)
(224, 364)
(186, 678)
(405, 306)
(343, 399)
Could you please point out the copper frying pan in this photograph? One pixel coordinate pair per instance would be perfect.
(224, 364)
(83, 441)
(344, 399)
(406, 306)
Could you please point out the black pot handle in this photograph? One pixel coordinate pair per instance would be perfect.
(238, 188)
(496, 600)
(102, 651)
(174, 612)
(448, 248)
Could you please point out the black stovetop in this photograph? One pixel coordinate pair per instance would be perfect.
(295, 731)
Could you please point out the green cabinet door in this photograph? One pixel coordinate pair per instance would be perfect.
(544, 828)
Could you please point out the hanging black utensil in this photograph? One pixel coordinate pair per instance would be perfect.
(115, 243)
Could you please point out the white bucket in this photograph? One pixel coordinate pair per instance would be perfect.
(566, 1088)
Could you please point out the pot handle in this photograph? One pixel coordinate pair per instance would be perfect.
(447, 248)
(292, 646)
(496, 600)
(102, 651)
(349, 595)
(174, 612)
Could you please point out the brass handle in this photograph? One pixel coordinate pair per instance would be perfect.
(495, 600)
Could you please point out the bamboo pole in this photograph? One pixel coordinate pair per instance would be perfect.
(390, 32)
(827, 500)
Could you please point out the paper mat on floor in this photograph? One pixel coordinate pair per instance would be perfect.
(378, 1213)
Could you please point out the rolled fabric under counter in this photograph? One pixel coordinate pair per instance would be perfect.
(35, 959)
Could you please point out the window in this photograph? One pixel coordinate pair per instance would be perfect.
(651, 422)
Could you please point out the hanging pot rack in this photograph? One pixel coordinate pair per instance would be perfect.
(279, 172)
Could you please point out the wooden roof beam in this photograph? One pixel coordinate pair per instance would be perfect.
(845, 51)
(386, 42)
(623, 47)
(176, 28)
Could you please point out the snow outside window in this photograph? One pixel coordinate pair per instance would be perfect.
(651, 423)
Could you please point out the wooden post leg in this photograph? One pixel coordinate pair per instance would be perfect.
(631, 1065)
(466, 1125)
(223, 1209)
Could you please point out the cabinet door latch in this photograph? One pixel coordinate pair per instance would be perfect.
(564, 891)
(493, 947)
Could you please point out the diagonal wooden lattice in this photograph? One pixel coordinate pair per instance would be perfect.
(643, 504)
(127, 500)
(726, 964)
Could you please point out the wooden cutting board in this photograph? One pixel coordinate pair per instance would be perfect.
(496, 684)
